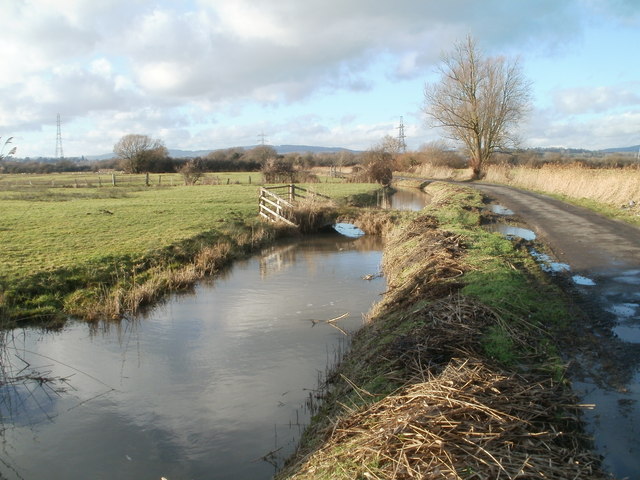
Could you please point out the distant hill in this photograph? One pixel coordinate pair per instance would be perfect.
(281, 149)
(633, 149)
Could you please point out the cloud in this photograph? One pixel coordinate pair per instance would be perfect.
(99, 62)
(582, 100)
(617, 129)
(238, 49)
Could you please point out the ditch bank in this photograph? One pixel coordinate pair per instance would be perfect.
(457, 372)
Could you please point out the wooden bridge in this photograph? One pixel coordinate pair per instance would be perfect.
(278, 203)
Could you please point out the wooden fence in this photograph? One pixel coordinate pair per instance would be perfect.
(278, 203)
(96, 180)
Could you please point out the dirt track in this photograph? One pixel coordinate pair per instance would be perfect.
(585, 240)
(604, 348)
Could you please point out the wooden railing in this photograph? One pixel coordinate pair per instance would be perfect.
(277, 203)
(273, 207)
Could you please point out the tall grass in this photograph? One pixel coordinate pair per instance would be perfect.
(442, 172)
(612, 186)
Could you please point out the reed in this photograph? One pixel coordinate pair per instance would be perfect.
(612, 186)
(442, 172)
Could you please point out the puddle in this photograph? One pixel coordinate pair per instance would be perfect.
(348, 229)
(628, 333)
(584, 281)
(628, 279)
(547, 264)
(500, 210)
(628, 328)
(610, 421)
(624, 310)
(511, 231)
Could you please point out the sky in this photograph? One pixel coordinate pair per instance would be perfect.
(210, 74)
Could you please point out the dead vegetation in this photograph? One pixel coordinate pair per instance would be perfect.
(613, 186)
(313, 212)
(458, 415)
(467, 422)
(425, 263)
(419, 397)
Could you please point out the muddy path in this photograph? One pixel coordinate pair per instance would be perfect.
(601, 275)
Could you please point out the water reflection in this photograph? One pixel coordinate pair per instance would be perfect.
(511, 231)
(412, 199)
(203, 386)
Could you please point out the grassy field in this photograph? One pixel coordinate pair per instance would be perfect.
(56, 241)
(107, 179)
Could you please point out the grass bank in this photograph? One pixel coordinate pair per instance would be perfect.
(97, 252)
(456, 374)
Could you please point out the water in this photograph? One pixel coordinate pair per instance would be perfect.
(412, 199)
(202, 386)
(613, 418)
(511, 231)
(501, 210)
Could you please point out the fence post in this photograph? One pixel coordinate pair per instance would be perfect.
(146, 179)
(113, 179)
(292, 192)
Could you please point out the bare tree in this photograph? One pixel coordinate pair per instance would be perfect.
(377, 166)
(392, 145)
(137, 152)
(261, 154)
(478, 101)
(192, 171)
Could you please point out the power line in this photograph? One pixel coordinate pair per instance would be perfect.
(262, 137)
(59, 153)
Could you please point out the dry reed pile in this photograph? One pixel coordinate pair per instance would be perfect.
(459, 416)
(614, 186)
(313, 212)
(467, 422)
(424, 264)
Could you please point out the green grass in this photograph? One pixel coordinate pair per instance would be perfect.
(58, 240)
(630, 216)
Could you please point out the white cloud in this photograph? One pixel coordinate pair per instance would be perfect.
(618, 129)
(580, 100)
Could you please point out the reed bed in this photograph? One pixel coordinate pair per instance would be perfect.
(458, 415)
(613, 186)
(313, 213)
(443, 172)
(468, 422)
